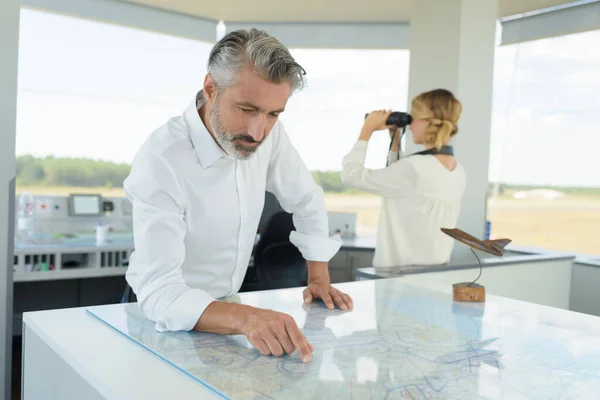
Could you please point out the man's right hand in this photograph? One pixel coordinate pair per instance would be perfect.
(269, 331)
(274, 333)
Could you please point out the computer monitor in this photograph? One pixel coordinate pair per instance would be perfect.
(85, 205)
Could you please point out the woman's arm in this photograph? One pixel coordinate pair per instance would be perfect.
(395, 180)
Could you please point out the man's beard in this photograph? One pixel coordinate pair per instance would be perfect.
(229, 142)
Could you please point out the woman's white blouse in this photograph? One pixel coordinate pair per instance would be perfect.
(419, 196)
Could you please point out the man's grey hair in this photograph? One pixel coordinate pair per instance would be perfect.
(260, 52)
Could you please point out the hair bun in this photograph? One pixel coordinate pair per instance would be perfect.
(453, 127)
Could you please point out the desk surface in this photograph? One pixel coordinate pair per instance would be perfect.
(79, 243)
(359, 243)
(400, 341)
(463, 262)
(117, 242)
(88, 243)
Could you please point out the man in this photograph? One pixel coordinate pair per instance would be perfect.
(197, 187)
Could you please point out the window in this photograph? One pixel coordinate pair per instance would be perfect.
(544, 168)
(325, 118)
(89, 94)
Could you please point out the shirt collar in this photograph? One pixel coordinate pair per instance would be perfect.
(207, 149)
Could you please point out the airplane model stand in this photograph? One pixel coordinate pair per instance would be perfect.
(472, 291)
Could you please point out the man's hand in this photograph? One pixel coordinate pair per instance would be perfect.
(270, 332)
(320, 288)
(274, 333)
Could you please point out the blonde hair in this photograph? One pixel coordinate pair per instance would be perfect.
(442, 110)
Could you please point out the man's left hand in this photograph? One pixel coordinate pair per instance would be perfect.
(322, 289)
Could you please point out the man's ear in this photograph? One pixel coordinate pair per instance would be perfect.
(209, 89)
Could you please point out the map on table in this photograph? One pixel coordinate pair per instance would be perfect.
(399, 342)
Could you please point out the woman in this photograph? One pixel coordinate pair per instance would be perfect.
(421, 193)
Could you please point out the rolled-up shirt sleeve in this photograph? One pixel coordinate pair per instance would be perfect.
(396, 179)
(159, 230)
(291, 182)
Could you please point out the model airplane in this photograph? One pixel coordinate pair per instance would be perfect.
(494, 247)
(471, 291)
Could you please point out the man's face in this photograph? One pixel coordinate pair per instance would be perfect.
(242, 115)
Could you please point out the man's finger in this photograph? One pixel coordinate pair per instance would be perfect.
(299, 341)
(261, 346)
(328, 301)
(338, 300)
(273, 344)
(348, 300)
(307, 296)
(284, 340)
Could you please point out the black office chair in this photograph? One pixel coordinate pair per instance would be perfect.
(278, 264)
(128, 295)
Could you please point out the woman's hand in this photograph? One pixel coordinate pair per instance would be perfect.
(375, 121)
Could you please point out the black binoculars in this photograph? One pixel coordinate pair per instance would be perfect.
(398, 118)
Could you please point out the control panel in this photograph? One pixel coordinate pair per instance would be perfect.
(55, 215)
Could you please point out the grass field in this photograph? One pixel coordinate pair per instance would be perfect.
(570, 224)
(66, 190)
(567, 224)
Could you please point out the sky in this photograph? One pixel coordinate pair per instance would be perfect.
(89, 89)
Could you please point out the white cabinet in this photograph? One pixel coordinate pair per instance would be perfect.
(338, 267)
(345, 262)
(585, 297)
(359, 259)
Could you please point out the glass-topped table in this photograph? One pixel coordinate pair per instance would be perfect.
(400, 341)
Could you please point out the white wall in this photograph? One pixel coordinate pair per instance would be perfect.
(9, 47)
(452, 47)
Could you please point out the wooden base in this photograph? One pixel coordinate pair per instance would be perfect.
(470, 292)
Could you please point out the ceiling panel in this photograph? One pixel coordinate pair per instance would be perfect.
(513, 7)
(320, 10)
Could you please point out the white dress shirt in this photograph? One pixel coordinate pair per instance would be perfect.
(419, 196)
(196, 211)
